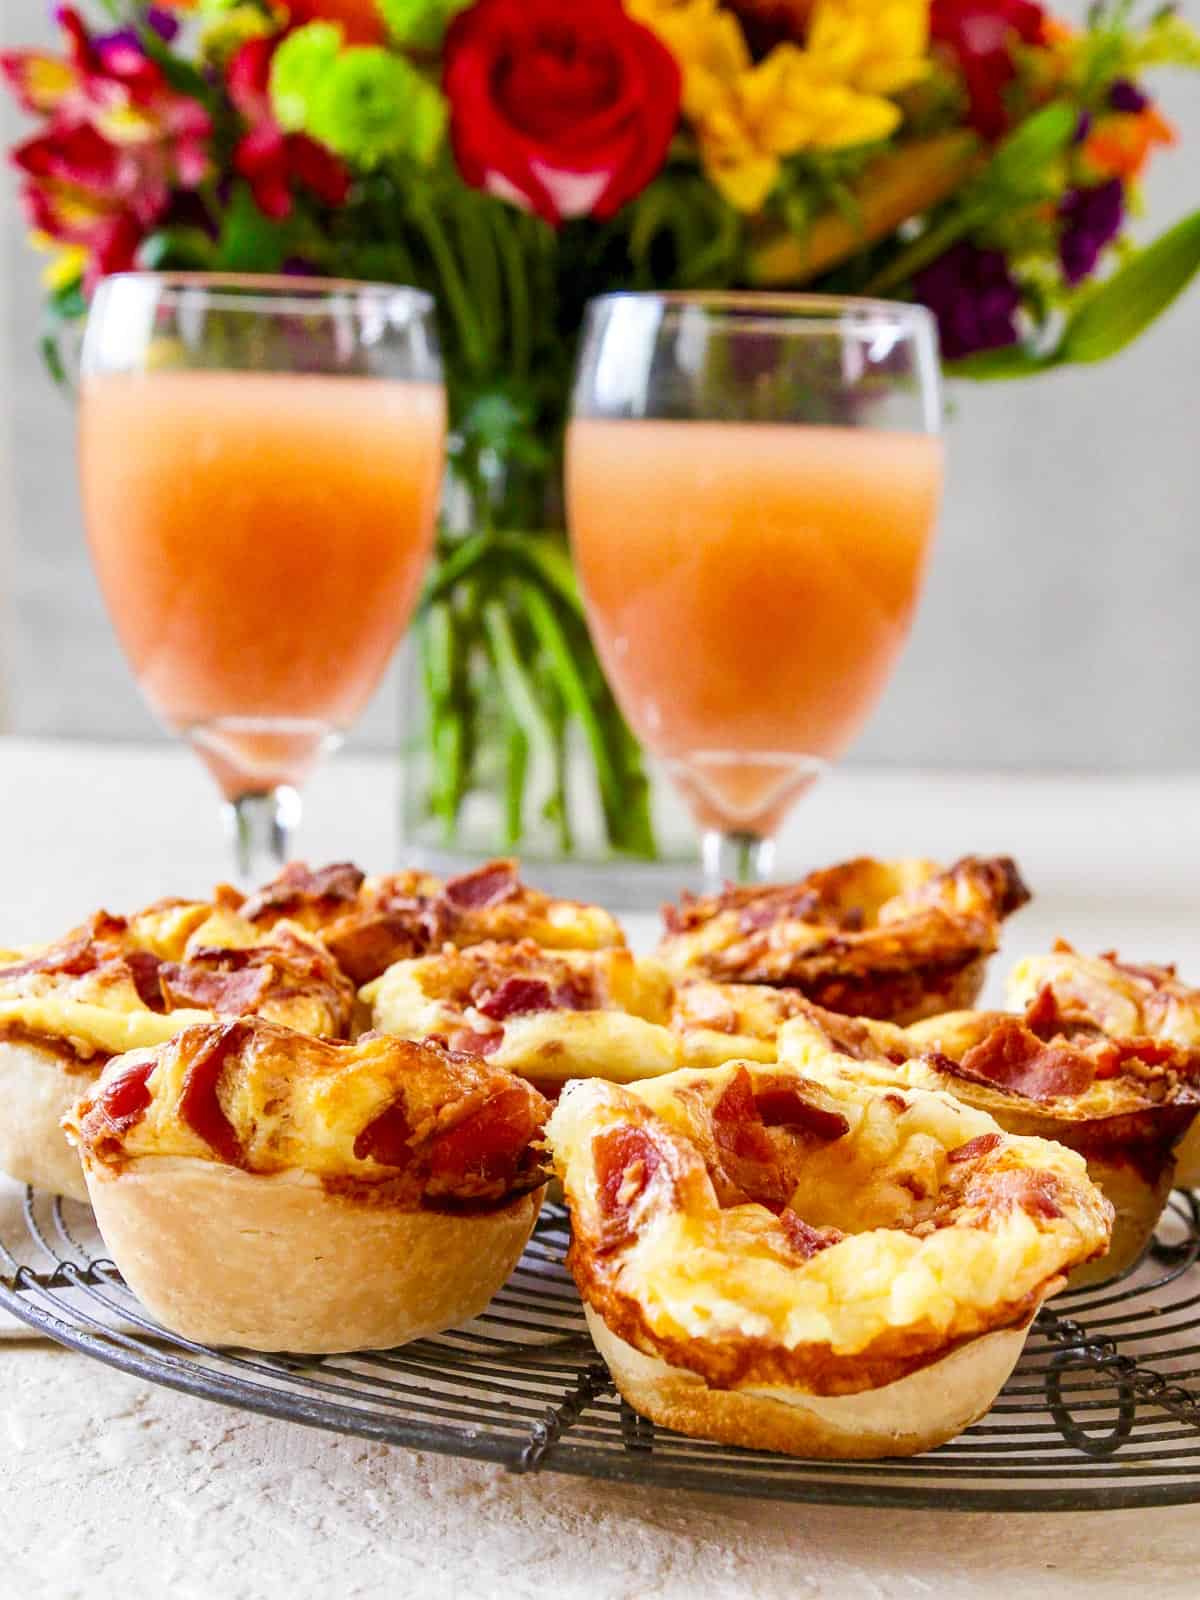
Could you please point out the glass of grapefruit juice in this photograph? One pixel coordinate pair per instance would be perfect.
(261, 462)
(752, 487)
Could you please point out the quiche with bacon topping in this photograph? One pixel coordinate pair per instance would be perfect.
(259, 1187)
(548, 1015)
(119, 983)
(369, 923)
(820, 1269)
(1125, 1002)
(1122, 1104)
(893, 939)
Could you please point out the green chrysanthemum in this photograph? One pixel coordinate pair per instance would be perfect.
(369, 104)
(419, 24)
(298, 70)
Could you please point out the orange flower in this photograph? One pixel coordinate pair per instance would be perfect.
(1120, 144)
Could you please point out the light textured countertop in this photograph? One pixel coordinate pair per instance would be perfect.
(112, 1487)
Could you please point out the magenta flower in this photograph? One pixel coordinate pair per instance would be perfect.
(272, 162)
(117, 142)
(974, 298)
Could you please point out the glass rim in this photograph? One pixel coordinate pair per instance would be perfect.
(275, 288)
(796, 308)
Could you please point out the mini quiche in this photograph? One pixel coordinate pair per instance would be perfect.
(825, 1270)
(1122, 1104)
(262, 1188)
(119, 983)
(1123, 1001)
(892, 939)
(369, 923)
(548, 1015)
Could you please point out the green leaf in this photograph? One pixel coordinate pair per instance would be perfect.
(175, 249)
(1013, 361)
(1022, 157)
(249, 241)
(1124, 305)
(180, 74)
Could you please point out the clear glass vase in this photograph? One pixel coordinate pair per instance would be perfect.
(511, 741)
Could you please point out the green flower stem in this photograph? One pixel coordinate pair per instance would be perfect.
(519, 690)
(549, 562)
(558, 655)
(515, 772)
(926, 248)
(453, 568)
(516, 278)
(470, 334)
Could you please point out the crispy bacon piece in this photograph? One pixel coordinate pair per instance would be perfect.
(229, 993)
(73, 957)
(489, 1145)
(626, 1159)
(516, 997)
(805, 1240)
(386, 1139)
(298, 885)
(1042, 1015)
(199, 1104)
(982, 1145)
(145, 972)
(476, 1044)
(783, 1106)
(123, 1100)
(485, 886)
(1016, 1059)
(749, 1162)
(365, 946)
(1016, 1189)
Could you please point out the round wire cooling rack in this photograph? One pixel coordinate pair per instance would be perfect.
(1098, 1414)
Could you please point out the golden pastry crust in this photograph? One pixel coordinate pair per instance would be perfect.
(383, 1120)
(547, 1015)
(369, 923)
(1123, 1105)
(225, 1257)
(897, 940)
(756, 1229)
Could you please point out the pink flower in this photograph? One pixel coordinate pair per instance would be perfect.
(271, 161)
(117, 142)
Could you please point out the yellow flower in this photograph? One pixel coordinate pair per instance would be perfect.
(878, 46)
(707, 44)
(68, 266)
(748, 117)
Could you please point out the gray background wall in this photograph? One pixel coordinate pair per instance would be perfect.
(1060, 624)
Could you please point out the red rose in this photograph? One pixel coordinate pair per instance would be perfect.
(566, 110)
(982, 35)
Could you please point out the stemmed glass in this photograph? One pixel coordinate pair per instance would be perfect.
(261, 461)
(752, 487)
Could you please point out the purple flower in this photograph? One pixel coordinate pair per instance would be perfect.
(1126, 96)
(1090, 218)
(974, 298)
(1082, 127)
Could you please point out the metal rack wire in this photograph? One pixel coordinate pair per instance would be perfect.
(1098, 1414)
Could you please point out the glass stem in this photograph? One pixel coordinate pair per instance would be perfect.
(736, 857)
(261, 826)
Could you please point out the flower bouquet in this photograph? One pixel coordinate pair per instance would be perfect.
(517, 157)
